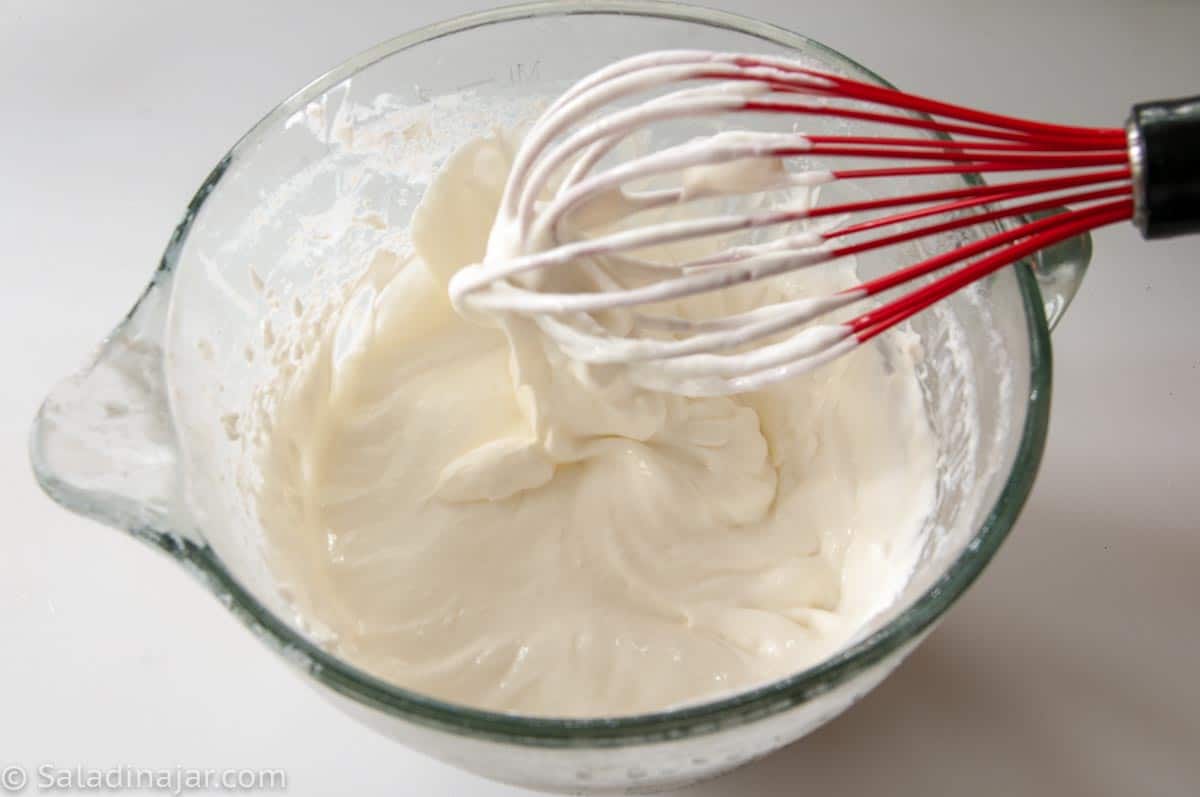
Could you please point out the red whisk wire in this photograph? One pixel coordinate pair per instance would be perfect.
(855, 89)
(1024, 161)
(983, 167)
(904, 275)
(954, 144)
(1069, 225)
(966, 221)
(934, 125)
(1026, 187)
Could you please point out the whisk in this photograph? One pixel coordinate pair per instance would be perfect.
(568, 208)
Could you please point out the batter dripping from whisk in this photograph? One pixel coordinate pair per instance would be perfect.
(469, 514)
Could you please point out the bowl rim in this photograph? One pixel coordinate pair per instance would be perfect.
(693, 719)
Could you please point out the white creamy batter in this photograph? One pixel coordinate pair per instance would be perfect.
(469, 515)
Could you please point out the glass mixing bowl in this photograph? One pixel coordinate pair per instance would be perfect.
(151, 437)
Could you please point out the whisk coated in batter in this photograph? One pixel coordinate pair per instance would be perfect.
(570, 205)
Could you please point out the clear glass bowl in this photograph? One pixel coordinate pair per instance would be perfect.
(146, 438)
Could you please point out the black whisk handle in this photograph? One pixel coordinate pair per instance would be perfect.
(1164, 151)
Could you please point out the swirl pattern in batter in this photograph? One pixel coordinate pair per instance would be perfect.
(471, 516)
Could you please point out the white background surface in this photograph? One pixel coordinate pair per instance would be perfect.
(1069, 669)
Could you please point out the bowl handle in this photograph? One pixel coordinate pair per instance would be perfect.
(102, 444)
(1059, 270)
